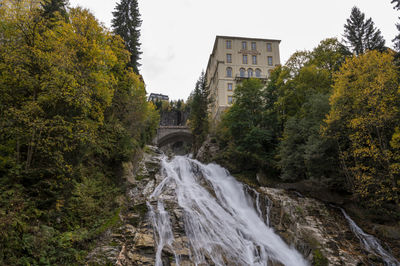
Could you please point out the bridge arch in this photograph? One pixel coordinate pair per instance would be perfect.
(169, 135)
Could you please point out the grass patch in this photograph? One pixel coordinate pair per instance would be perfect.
(113, 221)
(319, 259)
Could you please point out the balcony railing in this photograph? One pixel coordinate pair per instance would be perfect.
(239, 77)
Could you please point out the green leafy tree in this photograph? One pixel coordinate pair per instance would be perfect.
(296, 61)
(304, 103)
(301, 106)
(126, 23)
(330, 54)
(248, 135)
(303, 152)
(361, 35)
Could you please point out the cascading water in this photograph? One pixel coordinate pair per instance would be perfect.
(161, 223)
(370, 243)
(222, 223)
(268, 203)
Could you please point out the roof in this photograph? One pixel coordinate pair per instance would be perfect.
(246, 38)
(158, 96)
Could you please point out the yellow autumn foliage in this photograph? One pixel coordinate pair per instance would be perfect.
(363, 119)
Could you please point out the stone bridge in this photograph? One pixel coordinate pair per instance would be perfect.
(172, 134)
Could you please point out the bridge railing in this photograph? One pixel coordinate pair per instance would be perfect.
(173, 127)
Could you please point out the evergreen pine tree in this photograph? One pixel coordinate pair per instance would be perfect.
(126, 23)
(50, 7)
(396, 40)
(199, 112)
(397, 4)
(361, 35)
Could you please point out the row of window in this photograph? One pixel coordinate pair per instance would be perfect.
(242, 73)
(244, 59)
(244, 45)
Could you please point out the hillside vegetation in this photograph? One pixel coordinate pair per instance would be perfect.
(71, 113)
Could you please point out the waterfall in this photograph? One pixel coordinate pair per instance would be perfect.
(223, 224)
(370, 243)
(268, 203)
(162, 226)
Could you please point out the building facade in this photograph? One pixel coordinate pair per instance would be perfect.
(234, 59)
(160, 97)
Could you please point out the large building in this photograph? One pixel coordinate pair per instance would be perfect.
(157, 97)
(234, 59)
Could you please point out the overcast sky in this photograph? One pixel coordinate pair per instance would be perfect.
(178, 35)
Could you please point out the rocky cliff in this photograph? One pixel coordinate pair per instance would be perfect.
(318, 231)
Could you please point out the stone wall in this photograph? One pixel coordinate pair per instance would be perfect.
(174, 118)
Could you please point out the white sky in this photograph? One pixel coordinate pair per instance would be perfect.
(177, 36)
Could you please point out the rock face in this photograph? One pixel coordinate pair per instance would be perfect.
(318, 231)
(134, 242)
(208, 150)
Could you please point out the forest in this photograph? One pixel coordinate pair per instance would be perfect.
(73, 109)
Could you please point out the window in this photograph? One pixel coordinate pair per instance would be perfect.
(230, 86)
(270, 60)
(250, 72)
(253, 46)
(229, 72)
(244, 45)
(230, 99)
(228, 44)
(228, 58)
(242, 72)
(254, 59)
(258, 73)
(269, 47)
(244, 59)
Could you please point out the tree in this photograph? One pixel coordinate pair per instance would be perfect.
(363, 120)
(304, 153)
(248, 128)
(302, 103)
(329, 55)
(71, 114)
(361, 35)
(397, 4)
(198, 116)
(396, 40)
(51, 7)
(126, 23)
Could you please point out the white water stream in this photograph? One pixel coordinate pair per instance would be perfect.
(370, 243)
(223, 224)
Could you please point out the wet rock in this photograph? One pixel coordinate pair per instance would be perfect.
(391, 232)
(317, 231)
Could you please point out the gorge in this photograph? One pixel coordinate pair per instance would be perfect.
(192, 213)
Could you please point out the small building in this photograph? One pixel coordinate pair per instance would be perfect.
(234, 59)
(160, 97)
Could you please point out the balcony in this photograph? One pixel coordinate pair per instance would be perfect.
(240, 78)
